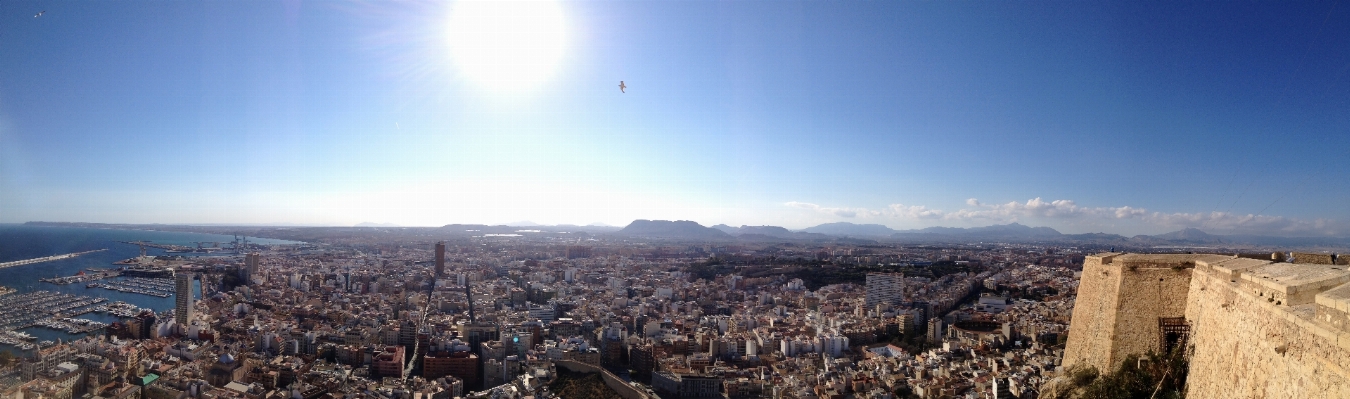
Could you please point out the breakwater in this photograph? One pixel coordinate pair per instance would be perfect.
(46, 259)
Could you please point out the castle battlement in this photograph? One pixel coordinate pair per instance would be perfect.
(1255, 327)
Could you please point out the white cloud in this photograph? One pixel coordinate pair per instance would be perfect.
(841, 212)
(913, 212)
(1126, 212)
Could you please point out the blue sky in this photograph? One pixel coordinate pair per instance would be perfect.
(1122, 117)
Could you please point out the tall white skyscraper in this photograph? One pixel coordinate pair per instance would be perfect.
(183, 298)
(886, 288)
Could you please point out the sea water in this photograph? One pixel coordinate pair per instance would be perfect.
(19, 242)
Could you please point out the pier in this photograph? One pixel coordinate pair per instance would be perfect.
(166, 247)
(82, 277)
(46, 259)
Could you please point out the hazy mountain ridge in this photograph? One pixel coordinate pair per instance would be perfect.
(836, 232)
(373, 224)
(505, 229)
(1016, 232)
(1189, 234)
(768, 233)
(851, 229)
(671, 229)
(1011, 229)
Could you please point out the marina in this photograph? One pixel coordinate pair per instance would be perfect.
(159, 287)
(35, 308)
(121, 309)
(25, 283)
(18, 340)
(72, 325)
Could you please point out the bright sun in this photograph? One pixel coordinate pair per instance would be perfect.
(507, 45)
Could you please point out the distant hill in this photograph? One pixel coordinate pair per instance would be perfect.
(370, 224)
(1102, 238)
(842, 233)
(768, 233)
(851, 229)
(683, 229)
(1011, 230)
(728, 229)
(477, 228)
(590, 228)
(1190, 234)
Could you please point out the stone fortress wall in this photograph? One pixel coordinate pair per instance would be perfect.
(1257, 328)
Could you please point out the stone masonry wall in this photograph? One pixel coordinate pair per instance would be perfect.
(1247, 347)
(1146, 294)
(1120, 298)
(1258, 329)
(1093, 314)
(612, 381)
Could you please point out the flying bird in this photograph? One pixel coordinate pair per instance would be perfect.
(621, 87)
(39, 14)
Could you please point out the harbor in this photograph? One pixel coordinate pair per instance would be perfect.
(39, 308)
(72, 325)
(90, 274)
(18, 340)
(27, 290)
(56, 312)
(158, 287)
(165, 247)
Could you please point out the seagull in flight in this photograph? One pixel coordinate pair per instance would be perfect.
(39, 14)
(622, 87)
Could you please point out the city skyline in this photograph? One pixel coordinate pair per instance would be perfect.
(1118, 118)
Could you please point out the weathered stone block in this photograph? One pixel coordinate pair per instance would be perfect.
(1313, 258)
(1292, 284)
(1233, 268)
(1252, 349)
(1333, 307)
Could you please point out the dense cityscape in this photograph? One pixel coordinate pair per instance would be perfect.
(553, 199)
(533, 314)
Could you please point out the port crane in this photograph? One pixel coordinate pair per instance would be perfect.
(240, 242)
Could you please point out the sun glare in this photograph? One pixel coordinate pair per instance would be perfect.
(507, 46)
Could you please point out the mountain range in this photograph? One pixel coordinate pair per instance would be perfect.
(767, 233)
(831, 232)
(1012, 232)
(671, 229)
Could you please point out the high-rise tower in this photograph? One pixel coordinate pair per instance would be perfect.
(183, 298)
(251, 264)
(886, 288)
(440, 259)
